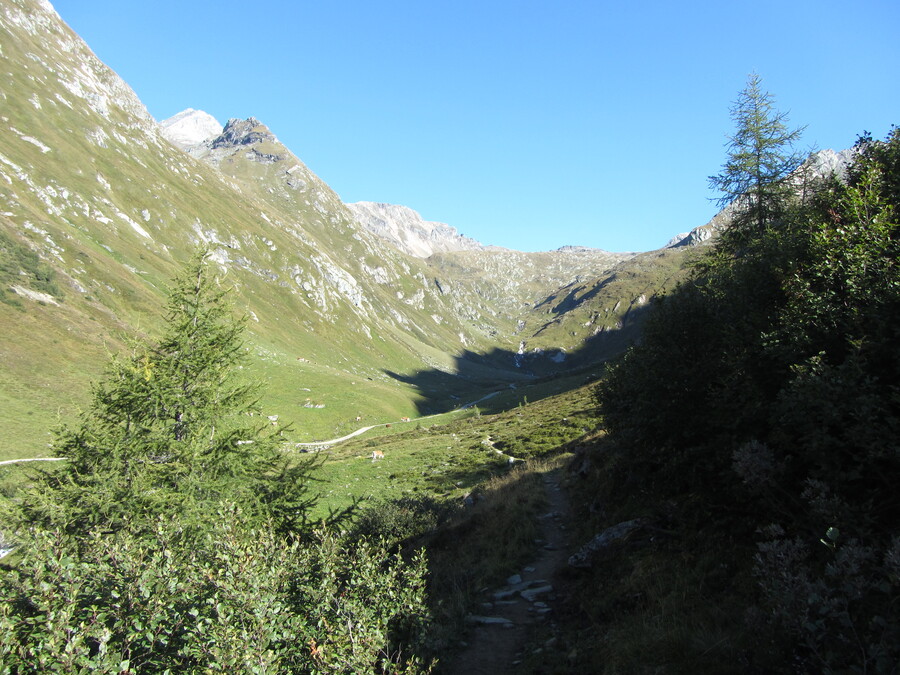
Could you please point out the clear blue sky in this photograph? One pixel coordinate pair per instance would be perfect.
(529, 125)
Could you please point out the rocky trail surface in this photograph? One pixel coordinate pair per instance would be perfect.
(516, 620)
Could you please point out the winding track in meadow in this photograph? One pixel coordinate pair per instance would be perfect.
(335, 441)
(314, 444)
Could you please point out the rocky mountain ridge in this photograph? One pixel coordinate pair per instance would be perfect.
(408, 231)
(200, 135)
(486, 287)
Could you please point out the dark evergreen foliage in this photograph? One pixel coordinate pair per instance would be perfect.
(765, 397)
(758, 174)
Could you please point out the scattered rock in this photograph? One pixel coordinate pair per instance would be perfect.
(37, 296)
(406, 230)
(531, 593)
(584, 557)
(488, 620)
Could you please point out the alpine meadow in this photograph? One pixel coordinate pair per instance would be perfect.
(249, 428)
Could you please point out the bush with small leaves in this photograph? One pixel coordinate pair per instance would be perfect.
(244, 600)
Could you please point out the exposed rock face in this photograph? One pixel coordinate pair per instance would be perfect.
(190, 127)
(200, 135)
(827, 162)
(243, 132)
(406, 230)
(696, 236)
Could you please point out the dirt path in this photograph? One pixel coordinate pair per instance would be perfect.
(502, 635)
(33, 459)
(353, 434)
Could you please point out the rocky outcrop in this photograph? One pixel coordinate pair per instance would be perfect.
(585, 556)
(828, 162)
(406, 230)
(696, 236)
(242, 132)
(200, 135)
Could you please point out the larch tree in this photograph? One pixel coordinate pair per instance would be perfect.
(761, 159)
(173, 429)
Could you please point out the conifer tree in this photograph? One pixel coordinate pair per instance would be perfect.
(761, 159)
(171, 430)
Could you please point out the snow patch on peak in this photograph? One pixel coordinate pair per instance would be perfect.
(190, 128)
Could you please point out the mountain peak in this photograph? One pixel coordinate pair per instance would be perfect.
(190, 127)
(243, 132)
(408, 231)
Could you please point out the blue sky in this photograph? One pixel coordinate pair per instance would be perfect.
(529, 125)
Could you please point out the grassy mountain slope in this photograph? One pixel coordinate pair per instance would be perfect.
(97, 211)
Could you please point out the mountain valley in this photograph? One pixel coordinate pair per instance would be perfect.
(249, 427)
(354, 310)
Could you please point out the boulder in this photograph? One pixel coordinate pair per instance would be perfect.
(584, 557)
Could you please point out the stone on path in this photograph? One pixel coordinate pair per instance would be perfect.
(489, 620)
(531, 593)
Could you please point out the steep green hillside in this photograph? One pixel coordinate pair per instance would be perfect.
(110, 208)
(98, 210)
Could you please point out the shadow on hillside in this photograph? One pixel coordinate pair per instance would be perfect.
(572, 299)
(501, 379)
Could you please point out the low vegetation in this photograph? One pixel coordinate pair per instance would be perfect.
(448, 460)
(20, 266)
(175, 535)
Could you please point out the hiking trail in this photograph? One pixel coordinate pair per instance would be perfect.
(503, 632)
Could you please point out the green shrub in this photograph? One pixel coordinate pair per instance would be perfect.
(240, 600)
(764, 397)
(401, 520)
(20, 265)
